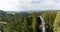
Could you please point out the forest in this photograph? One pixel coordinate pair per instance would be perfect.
(29, 22)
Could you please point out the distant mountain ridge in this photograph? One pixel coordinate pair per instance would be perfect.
(27, 11)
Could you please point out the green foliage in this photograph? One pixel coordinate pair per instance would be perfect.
(49, 18)
(57, 23)
(25, 22)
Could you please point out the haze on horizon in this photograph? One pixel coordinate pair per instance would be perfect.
(22, 5)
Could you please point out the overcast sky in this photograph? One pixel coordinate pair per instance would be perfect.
(21, 5)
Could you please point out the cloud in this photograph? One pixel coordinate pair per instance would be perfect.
(42, 5)
(48, 2)
(18, 5)
(10, 5)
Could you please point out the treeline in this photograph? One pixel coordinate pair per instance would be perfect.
(27, 22)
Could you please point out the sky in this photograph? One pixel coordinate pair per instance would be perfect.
(23, 5)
